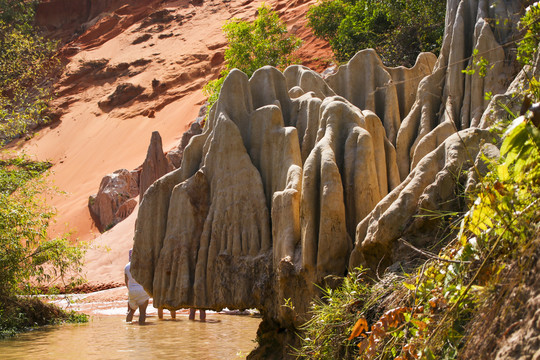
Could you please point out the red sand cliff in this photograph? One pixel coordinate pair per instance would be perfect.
(170, 49)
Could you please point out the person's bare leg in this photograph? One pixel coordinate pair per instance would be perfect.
(142, 313)
(173, 314)
(191, 314)
(160, 313)
(202, 314)
(129, 316)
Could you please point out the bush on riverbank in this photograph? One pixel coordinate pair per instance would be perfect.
(18, 314)
(30, 260)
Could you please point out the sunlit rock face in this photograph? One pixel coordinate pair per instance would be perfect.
(296, 179)
(155, 165)
(271, 192)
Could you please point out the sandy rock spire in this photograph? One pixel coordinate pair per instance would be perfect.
(155, 165)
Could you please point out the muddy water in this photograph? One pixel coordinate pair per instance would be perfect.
(109, 337)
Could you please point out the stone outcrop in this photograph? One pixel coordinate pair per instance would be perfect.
(432, 187)
(116, 198)
(388, 92)
(295, 179)
(122, 94)
(114, 201)
(175, 155)
(155, 165)
(449, 100)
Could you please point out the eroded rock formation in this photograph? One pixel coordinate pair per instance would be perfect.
(155, 165)
(296, 179)
(114, 200)
(175, 155)
(116, 197)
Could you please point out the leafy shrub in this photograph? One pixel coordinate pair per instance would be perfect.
(265, 41)
(530, 24)
(398, 29)
(18, 314)
(335, 316)
(252, 45)
(325, 335)
(27, 257)
(26, 60)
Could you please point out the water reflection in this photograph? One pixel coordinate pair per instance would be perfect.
(109, 337)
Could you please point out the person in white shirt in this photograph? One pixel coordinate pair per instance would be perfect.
(137, 297)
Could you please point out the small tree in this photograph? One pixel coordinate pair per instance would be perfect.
(28, 258)
(252, 45)
(265, 41)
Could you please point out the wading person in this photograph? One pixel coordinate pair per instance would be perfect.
(160, 313)
(137, 297)
(202, 314)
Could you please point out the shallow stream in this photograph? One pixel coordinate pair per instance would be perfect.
(110, 337)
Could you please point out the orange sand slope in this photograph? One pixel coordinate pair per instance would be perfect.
(170, 49)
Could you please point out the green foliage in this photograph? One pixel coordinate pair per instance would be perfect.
(26, 60)
(326, 334)
(530, 24)
(480, 66)
(398, 30)
(252, 45)
(28, 258)
(17, 11)
(19, 314)
(15, 172)
(265, 41)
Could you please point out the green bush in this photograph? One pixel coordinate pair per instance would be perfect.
(530, 24)
(398, 29)
(265, 41)
(252, 45)
(28, 258)
(27, 59)
(18, 314)
(17, 11)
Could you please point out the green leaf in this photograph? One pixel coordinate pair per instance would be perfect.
(516, 136)
(409, 286)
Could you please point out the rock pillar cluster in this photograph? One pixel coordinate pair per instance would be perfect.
(296, 179)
